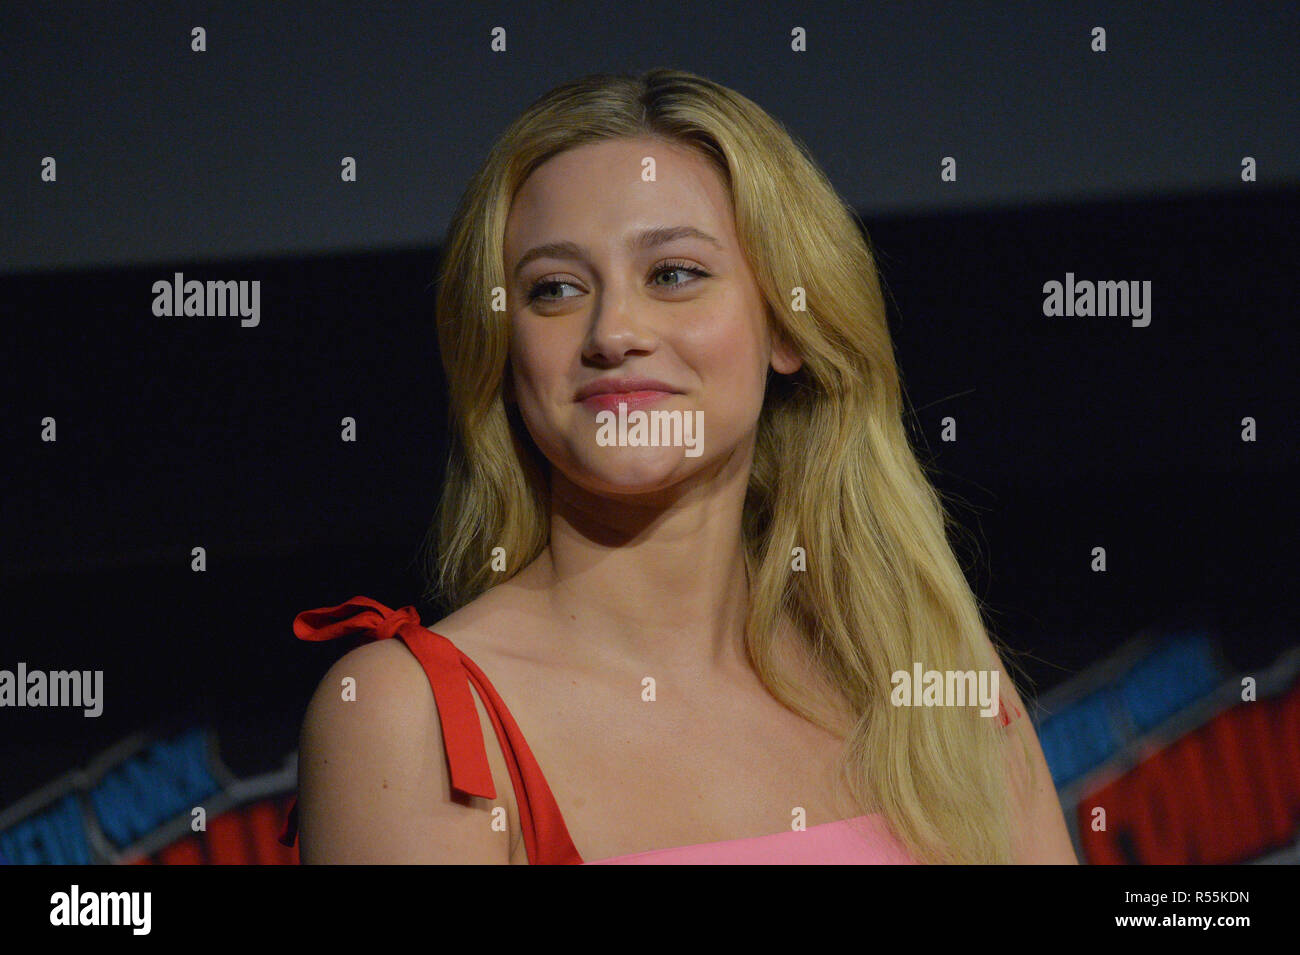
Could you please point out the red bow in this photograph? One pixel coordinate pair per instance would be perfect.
(358, 615)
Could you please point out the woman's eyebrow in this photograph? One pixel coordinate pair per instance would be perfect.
(648, 239)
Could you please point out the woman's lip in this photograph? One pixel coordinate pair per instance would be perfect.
(610, 400)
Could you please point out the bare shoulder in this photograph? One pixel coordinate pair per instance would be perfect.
(1041, 836)
(372, 772)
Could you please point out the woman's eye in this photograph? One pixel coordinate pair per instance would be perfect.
(536, 292)
(669, 268)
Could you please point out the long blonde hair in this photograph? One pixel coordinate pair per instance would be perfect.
(834, 472)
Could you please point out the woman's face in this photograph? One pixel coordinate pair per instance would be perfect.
(608, 299)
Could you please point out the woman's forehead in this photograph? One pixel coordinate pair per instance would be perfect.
(618, 187)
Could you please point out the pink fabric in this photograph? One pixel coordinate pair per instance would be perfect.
(863, 840)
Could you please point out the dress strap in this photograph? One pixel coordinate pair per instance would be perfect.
(450, 674)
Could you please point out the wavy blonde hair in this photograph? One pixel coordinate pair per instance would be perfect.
(834, 472)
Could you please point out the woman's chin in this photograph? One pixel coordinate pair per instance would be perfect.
(633, 470)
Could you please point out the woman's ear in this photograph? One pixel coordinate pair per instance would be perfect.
(785, 357)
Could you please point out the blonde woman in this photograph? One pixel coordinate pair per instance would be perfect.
(684, 651)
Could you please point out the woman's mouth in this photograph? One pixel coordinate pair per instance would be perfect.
(610, 400)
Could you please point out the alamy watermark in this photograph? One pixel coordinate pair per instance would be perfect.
(924, 687)
(651, 429)
(1085, 298)
(76, 907)
(206, 299)
(84, 688)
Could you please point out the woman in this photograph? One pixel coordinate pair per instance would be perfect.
(698, 638)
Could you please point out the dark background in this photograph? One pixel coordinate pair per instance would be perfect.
(176, 432)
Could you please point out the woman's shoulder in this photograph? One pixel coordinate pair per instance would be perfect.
(372, 750)
(387, 684)
(371, 694)
(364, 796)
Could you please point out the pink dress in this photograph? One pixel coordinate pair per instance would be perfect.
(861, 840)
(865, 840)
